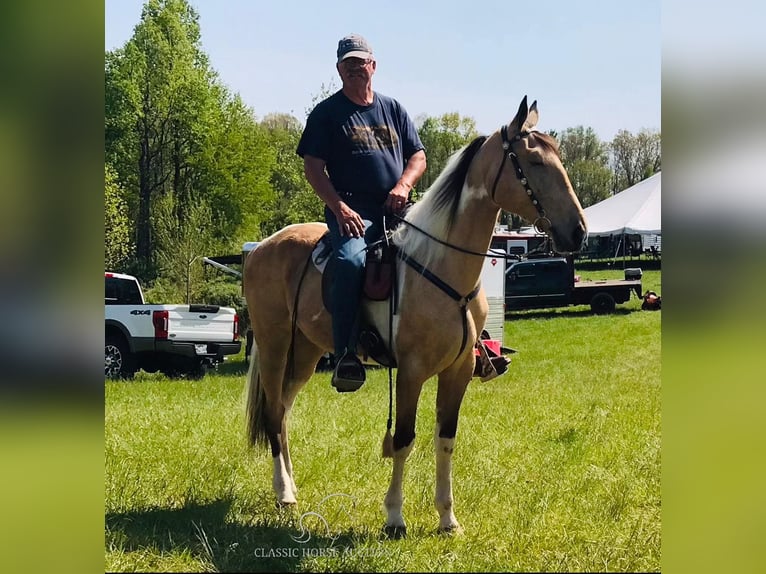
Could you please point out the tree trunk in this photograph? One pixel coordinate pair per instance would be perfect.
(143, 221)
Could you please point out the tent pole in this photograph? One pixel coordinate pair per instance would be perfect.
(623, 249)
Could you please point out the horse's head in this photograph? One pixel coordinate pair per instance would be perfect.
(524, 175)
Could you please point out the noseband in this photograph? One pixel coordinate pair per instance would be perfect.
(507, 147)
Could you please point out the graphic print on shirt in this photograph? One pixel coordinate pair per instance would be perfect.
(367, 139)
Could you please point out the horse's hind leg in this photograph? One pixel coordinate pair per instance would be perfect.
(305, 358)
(449, 396)
(272, 359)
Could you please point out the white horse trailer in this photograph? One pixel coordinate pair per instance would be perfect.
(493, 280)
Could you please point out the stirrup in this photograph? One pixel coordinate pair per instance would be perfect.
(349, 373)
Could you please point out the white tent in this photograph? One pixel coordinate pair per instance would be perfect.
(636, 210)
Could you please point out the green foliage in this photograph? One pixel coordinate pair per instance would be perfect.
(164, 292)
(225, 292)
(442, 136)
(591, 182)
(635, 157)
(172, 129)
(294, 201)
(183, 234)
(118, 244)
(585, 158)
(235, 170)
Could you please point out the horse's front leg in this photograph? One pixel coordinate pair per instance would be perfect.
(449, 396)
(407, 395)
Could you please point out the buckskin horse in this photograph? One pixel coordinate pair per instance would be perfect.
(440, 306)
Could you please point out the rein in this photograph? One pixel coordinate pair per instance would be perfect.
(453, 246)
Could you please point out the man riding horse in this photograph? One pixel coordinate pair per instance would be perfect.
(362, 155)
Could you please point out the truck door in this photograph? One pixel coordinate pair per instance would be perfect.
(537, 284)
(552, 283)
(520, 286)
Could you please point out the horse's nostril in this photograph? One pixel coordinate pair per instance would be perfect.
(579, 235)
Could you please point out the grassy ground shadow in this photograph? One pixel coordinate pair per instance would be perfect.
(203, 531)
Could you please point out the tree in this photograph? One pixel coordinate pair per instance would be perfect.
(181, 240)
(586, 160)
(172, 128)
(635, 158)
(233, 171)
(153, 80)
(118, 245)
(294, 200)
(442, 137)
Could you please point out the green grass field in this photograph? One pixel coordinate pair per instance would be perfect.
(556, 466)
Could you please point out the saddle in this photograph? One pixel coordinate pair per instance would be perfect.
(377, 286)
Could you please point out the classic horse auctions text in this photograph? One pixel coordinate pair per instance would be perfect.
(308, 552)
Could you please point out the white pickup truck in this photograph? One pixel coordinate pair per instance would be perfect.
(172, 339)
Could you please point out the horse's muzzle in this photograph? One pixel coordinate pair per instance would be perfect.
(572, 242)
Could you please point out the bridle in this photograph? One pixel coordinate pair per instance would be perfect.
(508, 147)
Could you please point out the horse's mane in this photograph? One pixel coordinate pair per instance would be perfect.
(546, 141)
(436, 211)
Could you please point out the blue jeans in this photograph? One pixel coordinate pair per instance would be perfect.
(349, 254)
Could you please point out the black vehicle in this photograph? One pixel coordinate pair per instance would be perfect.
(550, 282)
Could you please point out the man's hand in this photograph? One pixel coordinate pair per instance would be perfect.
(397, 197)
(349, 221)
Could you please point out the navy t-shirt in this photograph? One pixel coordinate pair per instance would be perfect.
(365, 148)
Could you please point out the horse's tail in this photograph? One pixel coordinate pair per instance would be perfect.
(256, 403)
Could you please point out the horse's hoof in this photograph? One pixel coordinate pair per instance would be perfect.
(287, 503)
(451, 530)
(395, 532)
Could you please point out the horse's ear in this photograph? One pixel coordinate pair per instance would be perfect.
(521, 116)
(531, 117)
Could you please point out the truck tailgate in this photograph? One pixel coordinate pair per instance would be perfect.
(201, 325)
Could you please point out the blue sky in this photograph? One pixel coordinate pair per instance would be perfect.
(591, 63)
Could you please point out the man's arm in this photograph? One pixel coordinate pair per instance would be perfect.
(413, 171)
(349, 221)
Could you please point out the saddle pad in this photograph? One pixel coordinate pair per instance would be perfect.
(321, 254)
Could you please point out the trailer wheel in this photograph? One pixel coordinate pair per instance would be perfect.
(118, 362)
(602, 303)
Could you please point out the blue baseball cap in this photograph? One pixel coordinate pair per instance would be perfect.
(353, 46)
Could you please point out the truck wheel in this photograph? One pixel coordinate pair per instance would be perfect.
(170, 372)
(199, 370)
(602, 303)
(118, 362)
